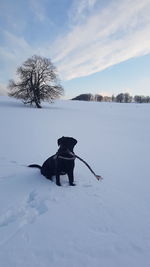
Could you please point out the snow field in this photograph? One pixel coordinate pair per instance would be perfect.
(93, 224)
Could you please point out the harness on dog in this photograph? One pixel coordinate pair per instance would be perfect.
(56, 156)
(74, 156)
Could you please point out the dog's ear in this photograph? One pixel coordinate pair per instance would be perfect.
(60, 140)
(74, 141)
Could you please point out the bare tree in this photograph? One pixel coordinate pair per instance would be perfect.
(38, 81)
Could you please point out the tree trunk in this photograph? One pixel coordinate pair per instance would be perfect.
(38, 105)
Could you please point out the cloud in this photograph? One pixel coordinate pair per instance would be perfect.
(79, 9)
(108, 36)
(13, 54)
(98, 36)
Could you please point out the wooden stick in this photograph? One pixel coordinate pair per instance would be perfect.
(98, 177)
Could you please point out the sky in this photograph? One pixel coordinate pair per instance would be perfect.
(98, 46)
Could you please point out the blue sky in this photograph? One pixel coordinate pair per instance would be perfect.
(98, 46)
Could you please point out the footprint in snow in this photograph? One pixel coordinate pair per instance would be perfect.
(33, 207)
(36, 203)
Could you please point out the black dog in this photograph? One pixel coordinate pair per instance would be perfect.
(61, 163)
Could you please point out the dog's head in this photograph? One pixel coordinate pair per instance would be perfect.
(67, 142)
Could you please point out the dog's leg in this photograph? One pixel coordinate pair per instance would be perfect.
(71, 178)
(58, 179)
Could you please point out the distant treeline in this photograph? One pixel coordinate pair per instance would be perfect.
(120, 98)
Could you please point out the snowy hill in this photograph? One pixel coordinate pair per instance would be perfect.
(94, 224)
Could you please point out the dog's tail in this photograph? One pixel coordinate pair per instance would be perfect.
(35, 166)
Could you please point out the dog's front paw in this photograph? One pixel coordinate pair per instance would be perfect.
(58, 183)
(72, 184)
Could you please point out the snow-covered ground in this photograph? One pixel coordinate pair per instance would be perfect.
(93, 224)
